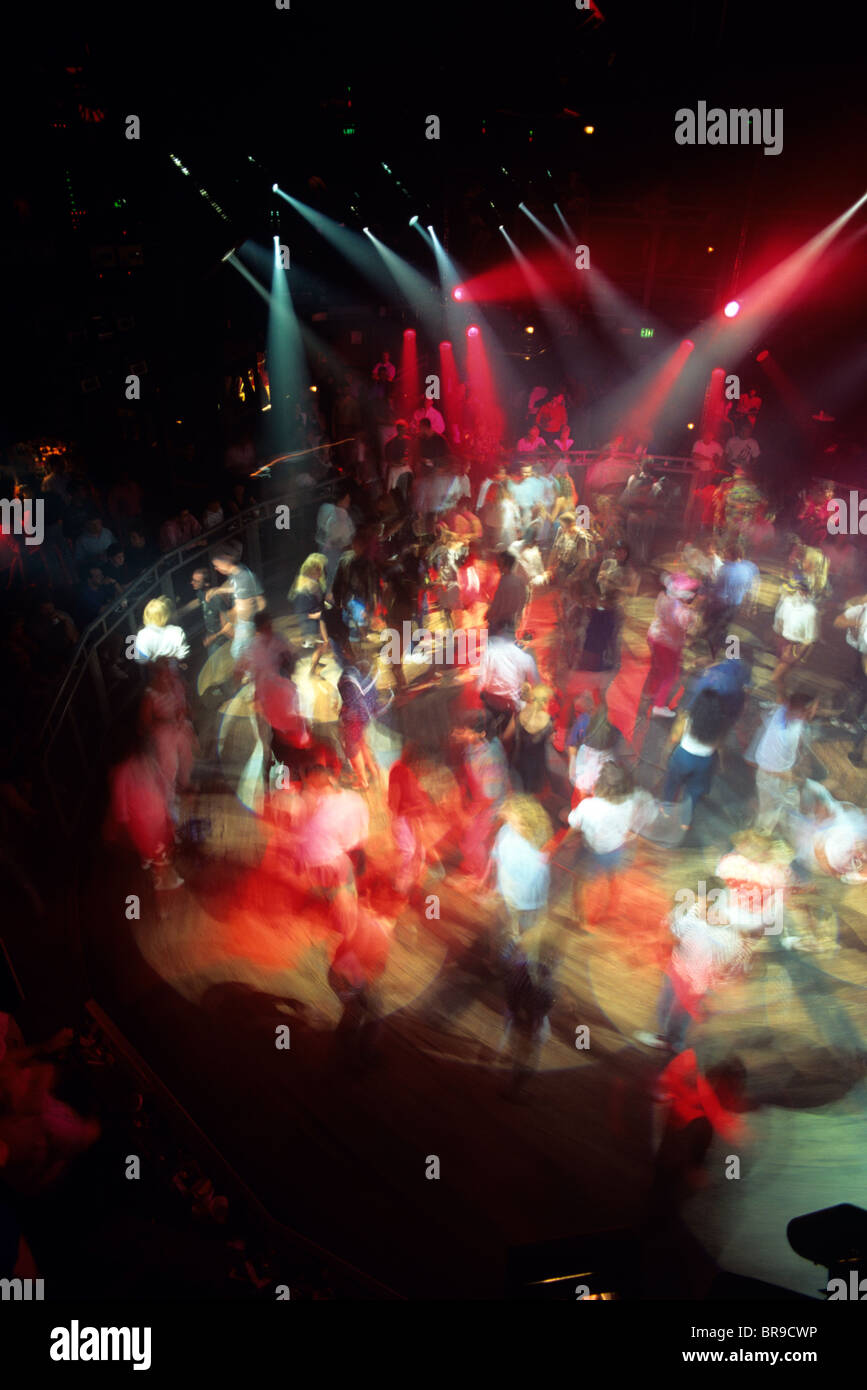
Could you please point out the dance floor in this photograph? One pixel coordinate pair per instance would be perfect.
(340, 1152)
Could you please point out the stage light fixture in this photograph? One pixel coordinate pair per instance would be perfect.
(763, 355)
(446, 346)
(457, 293)
(690, 425)
(229, 254)
(275, 188)
(413, 221)
(732, 309)
(589, 129)
(473, 331)
(710, 250)
(529, 328)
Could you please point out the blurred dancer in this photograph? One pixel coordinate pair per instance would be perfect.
(531, 964)
(485, 785)
(673, 621)
(140, 814)
(534, 729)
(797, 621)
(355, 973)
(519, 866)
(708, 952)
(165, 724)
(242, 586)
(608, 821)
(410, 807)
(690, 767)
(327, 824)
(503, 671)
(159, 637)
(361, 703)
(776, 755)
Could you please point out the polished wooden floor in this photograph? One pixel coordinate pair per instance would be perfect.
(340, 1152)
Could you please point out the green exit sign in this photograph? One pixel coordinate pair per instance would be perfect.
(647, 332)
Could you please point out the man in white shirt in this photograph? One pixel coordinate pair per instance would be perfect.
(741, 450)
(528, 492)
(707, 452)
(428, 411)
(334, 531)
(853, 621)
(532, 441)
(503, 671)
(776, 755)
(497, 479)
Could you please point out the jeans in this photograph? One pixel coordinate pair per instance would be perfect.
(244, 634)
(672, 1019)
(690, 772)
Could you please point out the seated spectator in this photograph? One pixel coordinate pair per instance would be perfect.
(179, 530)
(212, 516)
(93, 542)
(139, 554)
(116, 567)
(93, 594)
(241, 498)
(532, 441)
(54, 635)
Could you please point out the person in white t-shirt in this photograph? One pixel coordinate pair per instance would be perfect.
(607, 821)
(158, 637)
(853, 621)
(796, 620)
(741, 450)
(707, 452)
(776, 755)
(334, 531)
(504, 670)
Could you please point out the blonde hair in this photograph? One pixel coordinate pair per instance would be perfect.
(528, 818)
(540, 694)
(158, 612)
(307, 572)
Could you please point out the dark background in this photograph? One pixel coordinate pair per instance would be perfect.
(113, 258)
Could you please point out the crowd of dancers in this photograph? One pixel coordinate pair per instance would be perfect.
(533, 788)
